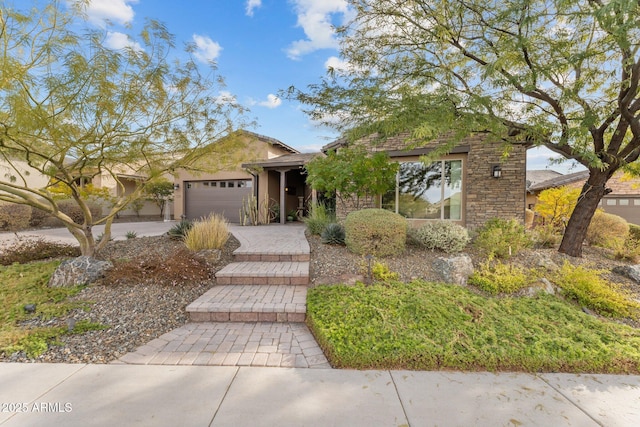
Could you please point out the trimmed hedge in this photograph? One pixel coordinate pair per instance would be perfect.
(442, 235)
(377, 232)
(607, 230)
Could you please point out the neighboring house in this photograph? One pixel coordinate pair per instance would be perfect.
(240, 174)
(624, 199)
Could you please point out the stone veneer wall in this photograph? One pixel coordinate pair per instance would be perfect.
(485, 197)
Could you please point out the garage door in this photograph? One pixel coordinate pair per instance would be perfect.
(221, 196)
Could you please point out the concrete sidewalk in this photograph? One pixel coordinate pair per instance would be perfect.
(109, 395)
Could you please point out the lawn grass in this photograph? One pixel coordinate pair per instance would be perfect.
(426, 326)
(22, 284)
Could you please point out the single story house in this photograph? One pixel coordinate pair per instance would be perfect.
(472, 184)
(623, 200)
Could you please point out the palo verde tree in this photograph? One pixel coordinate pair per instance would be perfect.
(75, 111)
(559, 73)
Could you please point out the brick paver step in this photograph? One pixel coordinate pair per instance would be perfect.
(271, 256)
(250, 303)
(264, 273)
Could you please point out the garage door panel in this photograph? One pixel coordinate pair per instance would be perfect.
(222, 197)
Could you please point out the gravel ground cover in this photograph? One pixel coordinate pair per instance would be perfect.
(138, 312)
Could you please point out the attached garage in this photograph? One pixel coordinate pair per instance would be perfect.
(216, 196)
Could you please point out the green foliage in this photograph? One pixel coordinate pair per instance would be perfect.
(25, 250)
(131, 234)
(546, 236)
(426, 326)
(14, 217)
(376, 232)
(333, 234)
(381, 273)
(318, 219)
(160, 192)
(556, 205)
(352, 174)
(24, 284)
(607, 230)
(502, 238)
(442, 235)
(111, 113)
(180, 230)
(589, 289)
(211, 232)
(496, 278)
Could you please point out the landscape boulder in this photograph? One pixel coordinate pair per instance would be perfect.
(542, 285)
(455, 270)
(630, 271)
(78, 271)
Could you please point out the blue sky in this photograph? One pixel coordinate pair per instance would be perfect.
(261, 47)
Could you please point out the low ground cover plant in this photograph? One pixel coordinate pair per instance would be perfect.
(29, 249)
(428, 326)
(496, 277)
(26, 284)
(376, 232)
(589, 289)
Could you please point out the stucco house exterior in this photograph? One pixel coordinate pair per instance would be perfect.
(623, 200)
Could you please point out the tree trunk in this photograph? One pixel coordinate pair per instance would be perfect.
(591, 194)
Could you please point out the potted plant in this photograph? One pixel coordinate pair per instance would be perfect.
(292, 215)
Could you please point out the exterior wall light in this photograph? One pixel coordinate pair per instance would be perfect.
(496, 171)
(176, 187)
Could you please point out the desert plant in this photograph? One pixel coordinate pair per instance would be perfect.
(333, 234)
(446, 236)
(587, 287)
(555, 205)
(607, 230)
(211, 232)
(376, 232)
(131, 234)
(495, 277)
(178, 231)
(249, 211)
(318, 219)
(14, 217)
(502, 238)
(25, 250)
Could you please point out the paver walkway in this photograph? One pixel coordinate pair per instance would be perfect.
(255, 317)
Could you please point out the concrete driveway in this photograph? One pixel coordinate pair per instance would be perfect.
(118, 232)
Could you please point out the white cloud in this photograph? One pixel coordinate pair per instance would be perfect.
(272, 101)
(225, 97)
(117, 11)
(252, 5)
(206, 49)
(117, 41)
(315, 18)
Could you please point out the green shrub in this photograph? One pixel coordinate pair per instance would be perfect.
(131, 235)
(630, 251)
(382, 273)
(178, 231)
(376, 232)
(25, 250)
(588, 288)
(71, 208)
(14, 217)
(446, 236)
(209, 233)
(546, 236)
(333, 234)
(496, 278)
(634, 232)
(318, 219)
(607, 230)
(38, 217)
(502, 237)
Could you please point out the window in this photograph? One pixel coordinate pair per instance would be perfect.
(427, 191)
(231, 184)
(223, 184)
(623, 202)
(611, 202)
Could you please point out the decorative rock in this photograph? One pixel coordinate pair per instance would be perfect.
(78, 271)
(545, 261)
(454, 270)
(210, 256)
(630, 271)
(542, 285)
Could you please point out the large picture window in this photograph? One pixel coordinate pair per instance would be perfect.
(427, 191)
